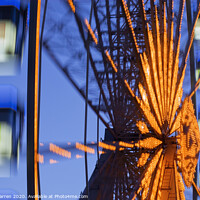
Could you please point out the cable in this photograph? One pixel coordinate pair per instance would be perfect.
(86, 103)
(98, 127)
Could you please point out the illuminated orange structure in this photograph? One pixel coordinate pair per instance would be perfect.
(52, 161)
(143, 159)
(138, 76)
(91, 31)
(78, 156)
(84, 148)
(148, 143)
(161, 93)
(125, 144)
(142, 127)
(107, 146)
(189, 142)
(71, 5)
(111, 61)
(60, 151)
(40, 158)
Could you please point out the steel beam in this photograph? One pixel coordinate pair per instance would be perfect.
(32, 98)
(80, 26)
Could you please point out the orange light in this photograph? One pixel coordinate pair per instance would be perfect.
(197, 83)
(189, 142)
(174, 79)
(155, 73)
(148, 143)
(177, 101)
(196, 87)
(71, 5)
(176, 124)
(102, 152)
(147, 177)
(52, 161)
(148, 77)
(84, 148)
(184, 64)
(125, 144)
(143, 95)
(196, 188)
(129, 88)
(181, 187)
(78, 156)
(142, 127)
(160, 69)
(128, 17)
(157, 178)
(161, 180)
(176, 181)
(60, 151)
(69, 143)
(107, 146)
(165, 54)
(40, 158)
(135, 195)
(41, 144)
(111, 61)
(170, 68)
(91, 31)
(143, 159)
(150, 118)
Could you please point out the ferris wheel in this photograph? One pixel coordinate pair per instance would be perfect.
(128, 61)
(130, 53)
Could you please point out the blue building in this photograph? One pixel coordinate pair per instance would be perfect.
(13, 22)
(11, 123)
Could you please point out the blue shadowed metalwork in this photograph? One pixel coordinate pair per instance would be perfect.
(15, 3)
(8, 97)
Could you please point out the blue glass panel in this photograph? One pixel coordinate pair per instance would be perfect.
(8, 97)
(15, 3)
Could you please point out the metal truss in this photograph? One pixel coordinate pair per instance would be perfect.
(68, 45)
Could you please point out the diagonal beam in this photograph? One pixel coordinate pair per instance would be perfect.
(104, 59)
(81, 30)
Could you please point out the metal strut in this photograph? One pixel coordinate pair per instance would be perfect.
(32, 101)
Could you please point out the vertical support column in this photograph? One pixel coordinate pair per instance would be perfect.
(192, 74)
(32, 101)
